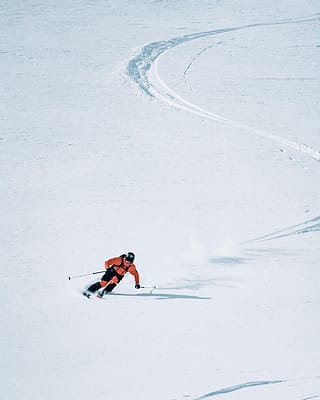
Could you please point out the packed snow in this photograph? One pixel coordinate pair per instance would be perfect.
(188, 133)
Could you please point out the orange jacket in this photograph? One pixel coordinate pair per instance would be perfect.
(121, 266)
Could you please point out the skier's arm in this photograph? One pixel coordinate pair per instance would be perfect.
(133, 271)
(112, 261)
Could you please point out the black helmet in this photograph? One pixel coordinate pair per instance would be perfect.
(130, 257)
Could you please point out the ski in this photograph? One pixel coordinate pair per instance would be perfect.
(101, 294)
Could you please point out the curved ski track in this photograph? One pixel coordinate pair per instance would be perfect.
(143, 71)
(235, 388)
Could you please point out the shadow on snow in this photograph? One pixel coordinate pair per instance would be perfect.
(162, 296)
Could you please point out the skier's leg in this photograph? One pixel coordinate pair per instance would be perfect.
(93, 288)
(109, 286)
(104, 280)
(112, 284)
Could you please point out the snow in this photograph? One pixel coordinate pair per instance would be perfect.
(187, 132)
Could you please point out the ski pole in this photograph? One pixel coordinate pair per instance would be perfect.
(80, 276)
(148, 287)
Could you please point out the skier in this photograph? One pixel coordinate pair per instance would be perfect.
(116, 268)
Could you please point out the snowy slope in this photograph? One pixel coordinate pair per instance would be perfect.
(187, 132)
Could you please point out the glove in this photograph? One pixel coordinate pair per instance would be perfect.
(137, 286)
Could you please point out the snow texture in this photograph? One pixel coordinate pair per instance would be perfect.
(187, 132)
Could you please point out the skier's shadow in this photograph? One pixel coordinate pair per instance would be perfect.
(162, 296)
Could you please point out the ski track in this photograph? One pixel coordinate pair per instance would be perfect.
(235, 388)
(186, 71)
(313, 225)
(142, 69)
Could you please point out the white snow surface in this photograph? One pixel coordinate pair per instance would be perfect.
(187, 132)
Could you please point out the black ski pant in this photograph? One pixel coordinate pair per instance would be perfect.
(107, 276)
